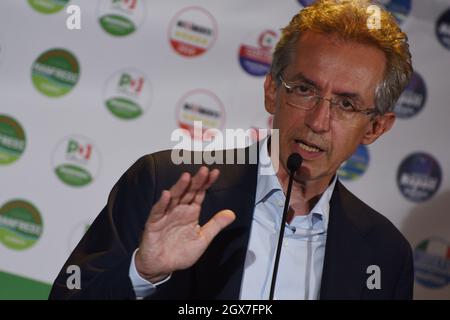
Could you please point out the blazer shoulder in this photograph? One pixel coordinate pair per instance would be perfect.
(375, 226)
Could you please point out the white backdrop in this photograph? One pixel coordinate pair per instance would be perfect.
(160, 65)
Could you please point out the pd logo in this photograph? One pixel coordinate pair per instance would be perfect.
(432, 263)
(12, 140)
(121, 17)
(413, 99)
(48, 6)
(76, 161)
(419, 177)
(356, 165)
(128, 94)
(192, 31)
(55, 72)
(20, 224)
(443, 29)
(255, 56)
(200, 105)
(399, 8)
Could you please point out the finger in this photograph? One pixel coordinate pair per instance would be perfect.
(213, 176)
(160, 207)
(197, 182)
(178, 189)
(216, 224)
(200, 195)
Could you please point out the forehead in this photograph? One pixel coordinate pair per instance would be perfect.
(338, 64)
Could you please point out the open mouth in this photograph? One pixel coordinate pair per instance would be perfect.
(307, 146)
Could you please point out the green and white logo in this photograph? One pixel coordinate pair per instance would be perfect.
(20, 224)
(55, 72)
(76, 161)
(128, 94)
(48, 6)
(121, 17)
(12, 140)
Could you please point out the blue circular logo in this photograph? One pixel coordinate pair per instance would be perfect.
(399, 8)
(356, 165)
(412, 99)
(419, 177)
(306, 3)
(255, 56)
(443, 29)
(432, 263)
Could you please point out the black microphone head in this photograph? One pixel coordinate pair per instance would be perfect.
(294, 161)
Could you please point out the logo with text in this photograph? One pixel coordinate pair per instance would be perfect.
(121, 17)
(412, 100)
(76, 161)
(20, 224)
(432, 263)
(128, 94)
(255, 55)
(419, 177)
(55, 72)
(192, 31)
(356, 165)
(202, 106)
(12, 140)
(443, 29)
(48, 6)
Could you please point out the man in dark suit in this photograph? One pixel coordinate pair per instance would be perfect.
(206, 232)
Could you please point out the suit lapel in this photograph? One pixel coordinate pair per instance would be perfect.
(218, 273)
(347, 255)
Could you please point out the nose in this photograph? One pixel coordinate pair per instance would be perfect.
(318, 119)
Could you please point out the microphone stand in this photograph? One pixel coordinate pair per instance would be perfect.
(294, 162)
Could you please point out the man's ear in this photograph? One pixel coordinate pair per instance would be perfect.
(378, 126)
(269, 94)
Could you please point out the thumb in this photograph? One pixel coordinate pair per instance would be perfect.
(217, 223)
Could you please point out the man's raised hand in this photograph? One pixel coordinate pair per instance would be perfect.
(173, 239)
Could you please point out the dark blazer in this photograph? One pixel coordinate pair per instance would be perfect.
(357, 237)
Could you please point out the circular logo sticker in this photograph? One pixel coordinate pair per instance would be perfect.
(356, 165)
(419, 177)
(202, 106)
(76, 161)
(128, 94)
(48, 6)
(255, 56)
(55, 72)
(432, 263)
(192, 31)
(12, 140)
(20, 224)
(443, 29)
(121, 17)
(78, 233)
(412, 99)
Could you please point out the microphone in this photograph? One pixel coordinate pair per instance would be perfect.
(293, 163)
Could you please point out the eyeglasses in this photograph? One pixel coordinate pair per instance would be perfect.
(302, 95)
